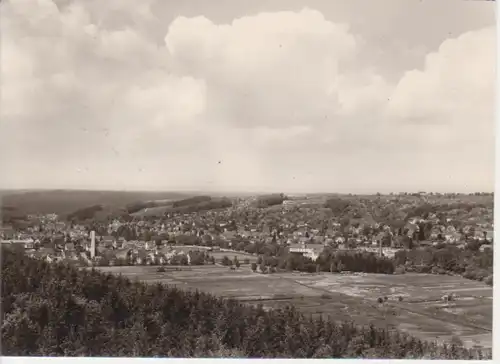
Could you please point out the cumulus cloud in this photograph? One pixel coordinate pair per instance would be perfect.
(271, 101)
(268, 69)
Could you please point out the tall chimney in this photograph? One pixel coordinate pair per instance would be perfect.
(92, 244)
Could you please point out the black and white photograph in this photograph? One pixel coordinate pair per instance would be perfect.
(264, 179)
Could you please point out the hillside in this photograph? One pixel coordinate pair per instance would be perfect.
(68, 201)
(189, 205)
(58, 310)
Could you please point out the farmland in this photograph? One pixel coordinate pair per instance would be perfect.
(341, 296)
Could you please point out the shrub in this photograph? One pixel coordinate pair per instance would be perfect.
(380, 300)
(161, 270)
(226, 261)
(455, 340)
(400, 270)
(400, 298)
(489, 280)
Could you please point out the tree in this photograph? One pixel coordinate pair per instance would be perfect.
(489, 280)
(184, 260)
(254, 267)
(226, 261)
(59, 310)
(455, 340)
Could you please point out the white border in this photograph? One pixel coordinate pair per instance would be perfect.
(496, 294)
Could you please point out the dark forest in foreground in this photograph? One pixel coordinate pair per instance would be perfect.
(58, 310)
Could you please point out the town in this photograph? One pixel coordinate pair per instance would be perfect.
(248, 179)
(295, 225)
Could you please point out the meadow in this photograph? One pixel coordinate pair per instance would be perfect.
(422, 312)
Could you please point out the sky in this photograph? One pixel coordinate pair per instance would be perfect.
(234, 95)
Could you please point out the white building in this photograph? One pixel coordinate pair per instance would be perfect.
(311, 251)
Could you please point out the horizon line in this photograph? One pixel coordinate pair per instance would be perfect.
(248, 192)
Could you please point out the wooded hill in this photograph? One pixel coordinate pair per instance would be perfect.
(58, 310)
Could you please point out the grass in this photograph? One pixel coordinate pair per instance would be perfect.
(218, 255)
(349, 297)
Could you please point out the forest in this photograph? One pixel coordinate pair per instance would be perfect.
(270, 200)
(328, 261)
(58, 310)
(469, 263)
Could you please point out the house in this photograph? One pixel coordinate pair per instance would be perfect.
(452, 237)
(339, 239)
(72, 256)
(123, 254)
(311, 251)
(379, 238)
(478, 235)
(140, 257)
(25, 243)
(7, 232)
(228, 235)
(160, 259)
(485, 247)
(108, 241)
(69, 247)
(85, 258)
(120, 242)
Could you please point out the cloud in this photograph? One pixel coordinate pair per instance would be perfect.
(457, 79)
(284, 100)
(268, 69)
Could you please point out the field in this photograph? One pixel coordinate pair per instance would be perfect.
(218, 255)
(422, 312)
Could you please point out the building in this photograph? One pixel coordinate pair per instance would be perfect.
(92, 244)
(484, 247)
(25, 243)
(311, 251)
(7, 232)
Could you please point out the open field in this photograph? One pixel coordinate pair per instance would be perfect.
(218, 255)
(422, 312)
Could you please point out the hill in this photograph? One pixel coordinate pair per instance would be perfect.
(58, 310)
(189, 205)
(68, 201)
